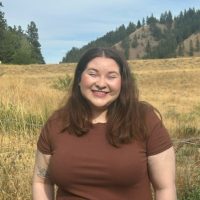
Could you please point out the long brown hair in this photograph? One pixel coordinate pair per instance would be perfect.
(125, 116)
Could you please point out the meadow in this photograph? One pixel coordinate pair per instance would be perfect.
(30, 93)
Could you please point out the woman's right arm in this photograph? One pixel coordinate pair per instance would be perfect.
(42, 188)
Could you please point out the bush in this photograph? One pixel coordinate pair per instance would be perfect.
(63, 83)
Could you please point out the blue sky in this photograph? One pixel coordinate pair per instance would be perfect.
(63, 24)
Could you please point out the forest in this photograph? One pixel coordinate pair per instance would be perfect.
(19, 46)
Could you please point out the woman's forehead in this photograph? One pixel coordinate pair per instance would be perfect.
(103, 63)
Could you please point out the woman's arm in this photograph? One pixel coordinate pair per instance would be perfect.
(42, 187)
(162, 174)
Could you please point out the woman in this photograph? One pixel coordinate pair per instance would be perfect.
(104, 144)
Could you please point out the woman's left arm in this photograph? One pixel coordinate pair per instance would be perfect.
(162, 174)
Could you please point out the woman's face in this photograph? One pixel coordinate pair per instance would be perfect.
(101, 82)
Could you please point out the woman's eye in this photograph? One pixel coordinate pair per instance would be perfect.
(92, 74)
(113, 76)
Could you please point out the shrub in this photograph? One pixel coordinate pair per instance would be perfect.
(63, 83)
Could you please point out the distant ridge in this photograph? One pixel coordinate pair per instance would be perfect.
(152, 38)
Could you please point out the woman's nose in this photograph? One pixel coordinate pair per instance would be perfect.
(101, 82)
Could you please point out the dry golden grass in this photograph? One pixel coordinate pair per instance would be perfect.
(171, 85)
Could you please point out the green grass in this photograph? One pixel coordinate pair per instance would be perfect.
(15, 118)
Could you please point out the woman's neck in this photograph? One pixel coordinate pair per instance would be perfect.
(99, 116)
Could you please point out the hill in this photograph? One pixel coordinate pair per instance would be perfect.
(153, 38)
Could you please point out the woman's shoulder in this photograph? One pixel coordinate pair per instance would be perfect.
(146, 108)
(150, 113)
(55, 120)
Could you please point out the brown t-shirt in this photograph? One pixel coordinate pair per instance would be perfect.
(88, 167)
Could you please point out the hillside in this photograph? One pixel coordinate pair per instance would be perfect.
(138, 41)
(143, 36)
(166, 37)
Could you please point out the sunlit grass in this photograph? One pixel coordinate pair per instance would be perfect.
(29, 96)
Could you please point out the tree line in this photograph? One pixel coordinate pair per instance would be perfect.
(169, 39)
(109, 39)
(18, 46)
(177, 30)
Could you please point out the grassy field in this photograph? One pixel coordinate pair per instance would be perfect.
(30, 93)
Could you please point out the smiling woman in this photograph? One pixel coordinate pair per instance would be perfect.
(104, 143)
(100, 84)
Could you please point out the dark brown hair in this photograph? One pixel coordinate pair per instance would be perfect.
(125, 116)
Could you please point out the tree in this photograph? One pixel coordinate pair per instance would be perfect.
(197, 45)
(125, 45)
(191, 49)
(130, 28)
(23, 54)
(9, 45)
(72, 55)
(155, 31)
(32, 33)
(2, 32)
(143, 22)
(139, 24)
(16, 46)
(148, 47)
(181, 50)
(151, 20)
(166, 19)
(2, 22)
(134, 43)
(169, 20)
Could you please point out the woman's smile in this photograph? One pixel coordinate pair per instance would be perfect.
(98, 93)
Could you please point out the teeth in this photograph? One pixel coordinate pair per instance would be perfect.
(99, 91)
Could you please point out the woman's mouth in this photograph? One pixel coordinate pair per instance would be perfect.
(99, 93)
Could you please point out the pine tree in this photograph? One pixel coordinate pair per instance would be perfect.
(130, 28)
(2, 33)
(151, 20)
(2, 22)
(33, 38)
(169, 20)
(197, 45)
(139, 24)
(134, 43)
(180, 50)
(23, 54)
(148, 47)
(126, 45)
(191, 50)
(143, 22)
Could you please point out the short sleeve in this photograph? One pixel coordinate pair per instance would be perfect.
(43, 143)
(158, 136)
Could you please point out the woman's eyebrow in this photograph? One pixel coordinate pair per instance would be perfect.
(91, 69)
(96, 70)
(113, 72)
